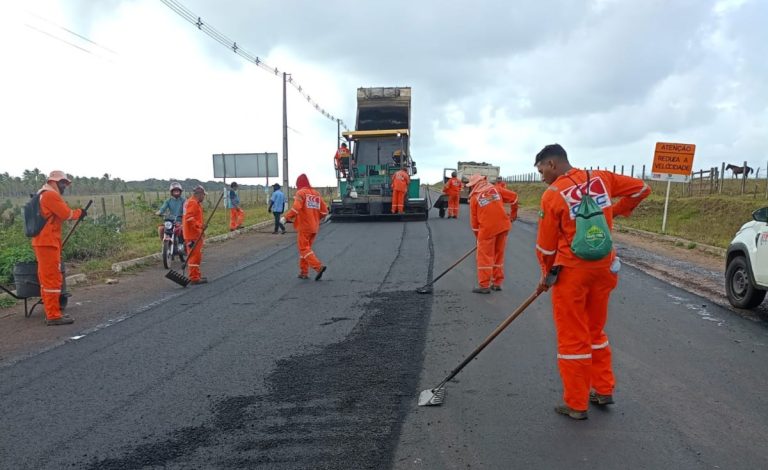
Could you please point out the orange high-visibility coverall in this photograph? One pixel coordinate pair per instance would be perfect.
(236, 217)
(452, 189)
(509, 197)
(193, 228)
(308, 208)
(490, 225)
(580, 296)
(342, 160)
(400, 182)
(47, 247)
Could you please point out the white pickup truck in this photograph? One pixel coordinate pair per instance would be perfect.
(746, 268)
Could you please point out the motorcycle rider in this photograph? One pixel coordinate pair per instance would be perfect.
(172, 207)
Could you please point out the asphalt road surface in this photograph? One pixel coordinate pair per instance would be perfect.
(259, 369)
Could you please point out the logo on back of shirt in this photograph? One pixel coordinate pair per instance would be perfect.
(313, 202)
(597, 190)
(487, 197)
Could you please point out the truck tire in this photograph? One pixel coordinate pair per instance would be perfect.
(738, 285)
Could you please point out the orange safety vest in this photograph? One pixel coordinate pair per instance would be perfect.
(487, 215)
(193, 219)
(452, 186)
(560, 202)
(308, 208)
(55, 210)
(400, 181)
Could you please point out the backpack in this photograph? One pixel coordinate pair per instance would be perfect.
(593, 237)
(33, 220)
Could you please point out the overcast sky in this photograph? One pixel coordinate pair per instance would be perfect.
(148, 95)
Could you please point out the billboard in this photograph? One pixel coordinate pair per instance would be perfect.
(245, 165)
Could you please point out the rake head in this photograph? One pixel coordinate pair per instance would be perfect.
(433, 397)
(178, 278)
(425, 290)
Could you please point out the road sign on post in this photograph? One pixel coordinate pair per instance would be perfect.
(672, 162)
(245, 165)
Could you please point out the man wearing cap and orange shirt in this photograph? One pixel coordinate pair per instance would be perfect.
(342, 159)
(308, 208)
(400, 182)
(580, 296)
(452, 189)
(47, 245)
(491, 226)
(194, 226)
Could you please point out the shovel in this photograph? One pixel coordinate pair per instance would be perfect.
(427, 289)
(179, 277)
(436, 396)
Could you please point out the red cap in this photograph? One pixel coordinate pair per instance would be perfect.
(302, 181)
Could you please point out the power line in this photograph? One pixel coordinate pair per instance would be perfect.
(194, 19)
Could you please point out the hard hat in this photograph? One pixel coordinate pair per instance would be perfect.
(474, 179)
(175, 185)
(58, 175)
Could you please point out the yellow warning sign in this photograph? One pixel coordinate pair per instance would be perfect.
(673, 159)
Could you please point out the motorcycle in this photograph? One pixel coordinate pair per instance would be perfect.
(173, 243)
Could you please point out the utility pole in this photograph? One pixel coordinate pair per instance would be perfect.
(338, 132)
(285, 137)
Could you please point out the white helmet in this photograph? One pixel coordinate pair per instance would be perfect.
(176, 186)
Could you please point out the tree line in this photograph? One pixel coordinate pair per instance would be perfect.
(31, 180)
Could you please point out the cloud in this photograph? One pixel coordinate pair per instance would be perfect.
(491, 80)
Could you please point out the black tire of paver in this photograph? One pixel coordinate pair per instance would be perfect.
(738, 285)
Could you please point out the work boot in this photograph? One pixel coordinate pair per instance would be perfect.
(496, 288)
(303, 276)
(570, 412)
(600, 400)
(202, 280)
(63, 320)
(274, 233)
(320, 273)
(482, 290)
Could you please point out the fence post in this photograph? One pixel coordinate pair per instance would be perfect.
(632, 171)
(122, 206)
(622, 170)
(643, 177)
(722, 177)
(104, 208)
(744, 178)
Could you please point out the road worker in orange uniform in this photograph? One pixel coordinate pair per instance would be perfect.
(400, 182)
(47, 245)
(580, 295)
(342, 159)
(491, 226)
(194, 226)
(509, 196)
(452, 189)
(308, 209)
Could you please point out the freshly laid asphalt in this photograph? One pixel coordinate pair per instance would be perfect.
(259, 369)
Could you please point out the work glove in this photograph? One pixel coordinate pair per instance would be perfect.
(83, 214)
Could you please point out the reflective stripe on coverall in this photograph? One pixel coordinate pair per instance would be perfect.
(308, 208)
(580, 296)
(452, 189)
(491, 227)
(400, 182)
(47, 247)
(193, 227)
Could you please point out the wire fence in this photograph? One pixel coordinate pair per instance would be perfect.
(743, 180)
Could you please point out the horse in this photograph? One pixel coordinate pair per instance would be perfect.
(738, 169)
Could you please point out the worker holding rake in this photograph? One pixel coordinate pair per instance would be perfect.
(194, 226)
(580, 296)
(491, 226)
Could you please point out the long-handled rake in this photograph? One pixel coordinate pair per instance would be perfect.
(77, 222)
(436, 396)
(179, 277)
(427, 289)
